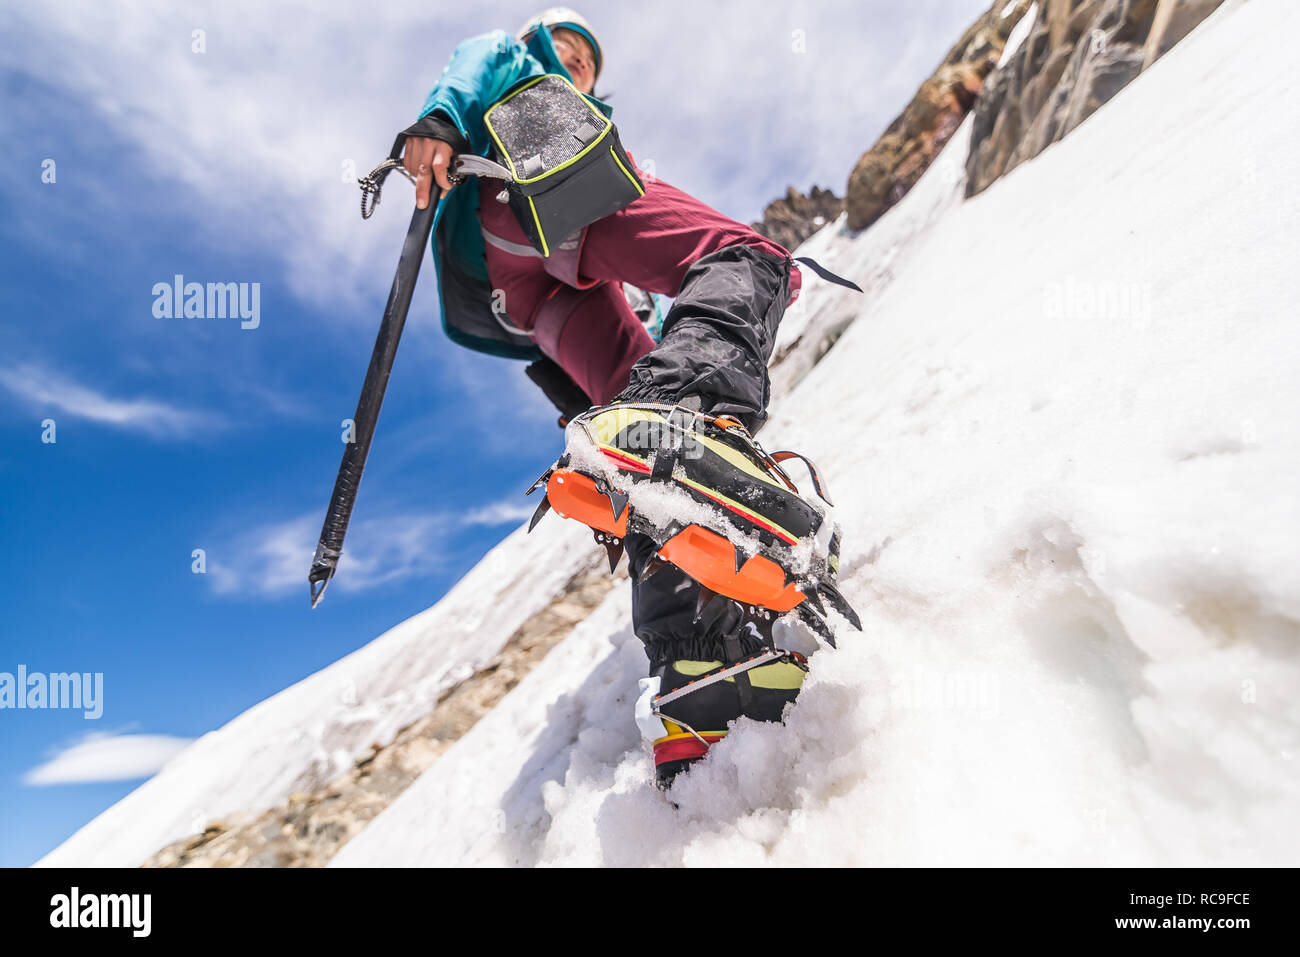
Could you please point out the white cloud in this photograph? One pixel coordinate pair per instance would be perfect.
(391, 549)
(268, 560)
(502, 513)
(272, 560)
(51, 392)
(100, 756)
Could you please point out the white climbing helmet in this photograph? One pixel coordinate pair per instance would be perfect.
(565, 17)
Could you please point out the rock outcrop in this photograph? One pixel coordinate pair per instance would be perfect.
(892, 166)
(794, 217)
(1078, 55)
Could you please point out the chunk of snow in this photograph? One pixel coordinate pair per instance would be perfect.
(1018, 34)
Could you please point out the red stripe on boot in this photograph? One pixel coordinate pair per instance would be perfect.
(681, 749)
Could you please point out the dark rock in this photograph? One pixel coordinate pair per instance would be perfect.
(887, 171)
(1172, 22)
(1078, 55)
(793, 218)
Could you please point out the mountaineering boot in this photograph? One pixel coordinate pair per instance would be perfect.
(686, 705)
(715, 504)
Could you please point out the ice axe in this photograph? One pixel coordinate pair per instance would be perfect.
(330, 546)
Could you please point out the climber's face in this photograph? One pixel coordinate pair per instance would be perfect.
(577, 56)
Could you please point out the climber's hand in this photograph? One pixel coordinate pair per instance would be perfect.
(427, 160)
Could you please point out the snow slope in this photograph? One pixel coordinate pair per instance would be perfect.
(311, 732)
(1062, 436)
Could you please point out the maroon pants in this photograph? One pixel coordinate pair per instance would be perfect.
(572, 302)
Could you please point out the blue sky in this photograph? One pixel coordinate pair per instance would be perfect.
(180, 434)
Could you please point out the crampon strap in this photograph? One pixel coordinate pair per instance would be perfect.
(771, 461)
(812, 471)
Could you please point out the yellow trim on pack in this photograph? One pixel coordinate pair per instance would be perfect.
(630, 177)
(541, 233)
(487, 121)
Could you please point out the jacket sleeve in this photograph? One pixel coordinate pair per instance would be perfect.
(437, 126)
(481, 70)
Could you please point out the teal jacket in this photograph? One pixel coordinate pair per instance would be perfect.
(482, 70)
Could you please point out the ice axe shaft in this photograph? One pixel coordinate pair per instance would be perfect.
(372, 397)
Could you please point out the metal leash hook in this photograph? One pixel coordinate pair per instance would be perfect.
(373, 183)
(470, 165)
(460, 167)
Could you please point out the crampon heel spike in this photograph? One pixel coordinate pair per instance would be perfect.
(840, 604)
(617, 501)
(613, 547)
(615, 552)
(706, 595)
(809, 590)
(816, 622)
(655, 564)
(543, 507)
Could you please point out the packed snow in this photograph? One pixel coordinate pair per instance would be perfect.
(1060, 432)
(1019, 34)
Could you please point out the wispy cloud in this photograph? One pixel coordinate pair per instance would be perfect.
(272, 560)
(390, 549)
(104, 756)
(501, 513)
(52, 392)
